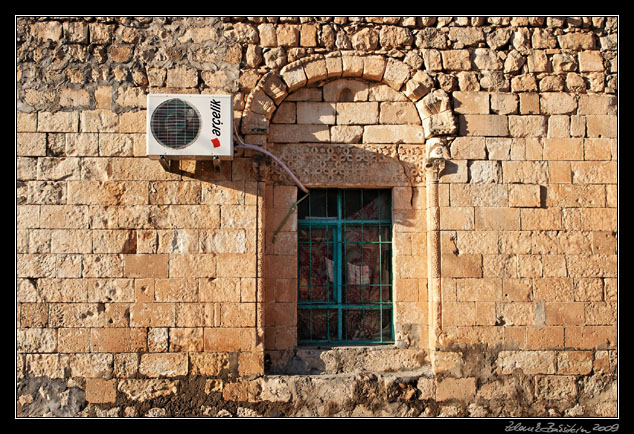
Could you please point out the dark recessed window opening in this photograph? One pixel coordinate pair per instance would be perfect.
(345, 267)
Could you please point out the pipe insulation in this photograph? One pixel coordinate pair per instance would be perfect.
(284, 166)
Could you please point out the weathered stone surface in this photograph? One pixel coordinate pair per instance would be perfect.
(130, 275)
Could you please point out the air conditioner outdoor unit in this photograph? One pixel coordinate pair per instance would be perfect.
(189, 126)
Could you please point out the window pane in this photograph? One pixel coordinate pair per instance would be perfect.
(351, 203)
(303, 324)
(366, 204)
(319, 204)
(317, 324)
(315, 263)
(367, 325)
(344, 266)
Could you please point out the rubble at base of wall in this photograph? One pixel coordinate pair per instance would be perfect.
(469, 382)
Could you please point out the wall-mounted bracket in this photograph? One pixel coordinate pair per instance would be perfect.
(167, 164)
(216, 163)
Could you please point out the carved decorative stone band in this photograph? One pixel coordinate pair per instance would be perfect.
(328, 164)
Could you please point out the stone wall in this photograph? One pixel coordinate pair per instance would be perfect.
(149, 292)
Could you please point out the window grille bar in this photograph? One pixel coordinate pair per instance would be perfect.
(336, 300)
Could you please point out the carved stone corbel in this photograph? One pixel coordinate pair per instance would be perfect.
(436, 114)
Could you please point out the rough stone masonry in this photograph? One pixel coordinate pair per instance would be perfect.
(146, 292)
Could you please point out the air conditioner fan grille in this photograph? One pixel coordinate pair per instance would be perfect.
(175, 123)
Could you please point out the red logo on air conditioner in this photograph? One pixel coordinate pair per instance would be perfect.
(215, 142)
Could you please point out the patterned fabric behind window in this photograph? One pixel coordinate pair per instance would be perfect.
(345, 267)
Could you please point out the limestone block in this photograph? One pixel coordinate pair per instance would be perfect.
(98, 365)
(267, 35)
(602, 126)
(146, 265)
(395, 37)
(238, 314)
(228, 339)
(308, 35)
(396, 73)
(392, 134)
(294, 76)
(149, 314)
(497, 218)
(483, 125)
(457, 218)
(484, 171)
(365, 39)
(556, 387)
(145, 389)
(504, 103)
(418, 86)
(455, 388)
(346, 133)
(53, 168)
(58, 121)
(208, 363)
(118, 340)
(316, 113)
(563, 149)
(530, 362)
(514, 62)
(524, 83)
(468, 36)
(126, 365)
(274, 87)
(594, 172)
(471, 102)
(253, 123)
(186, 340)
(345, 90)
(463, 265)
(524, 195)
(527, 126)
(541, 219)
(558, 103)
(36, 340)
(545, 338)
(190, 265)
(100, 391)
(485, 59)
(559, 126)
(156, 365)
(398, 113)
(360, 113)
(574, 362)
(576, 41)
(597, 105)
(373, 68)
(315, 69)
(182, 77)
(530, 103)
(599, 149)
(468, 148)
(538, 61)
(352, 65)
(456, 60)
(49, 30)
(282, 133)
(259, 102)
(433, 60)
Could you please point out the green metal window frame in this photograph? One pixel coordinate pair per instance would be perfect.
(336, 310)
